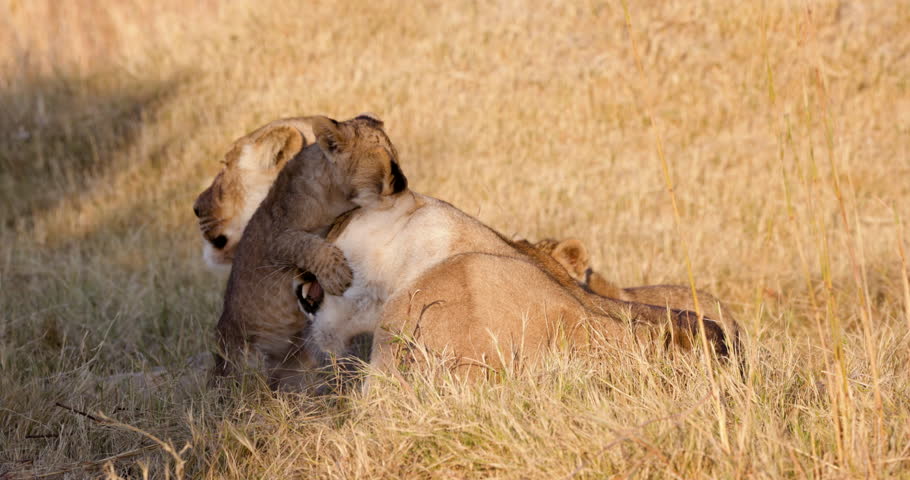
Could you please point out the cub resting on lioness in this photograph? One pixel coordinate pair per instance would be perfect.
(282, 239)
(420, 261)
(259, 179)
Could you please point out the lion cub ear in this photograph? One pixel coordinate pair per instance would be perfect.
(273, 149)
(372, 117)
(331, 135)
(572, 255)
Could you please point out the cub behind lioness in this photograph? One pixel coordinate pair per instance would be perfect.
(283, 239)
(572, 255)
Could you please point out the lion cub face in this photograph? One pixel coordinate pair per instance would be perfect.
(250, 168)
(363, 152)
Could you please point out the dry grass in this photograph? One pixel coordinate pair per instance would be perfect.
(785, 127)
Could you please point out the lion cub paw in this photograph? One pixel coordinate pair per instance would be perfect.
(334, 274)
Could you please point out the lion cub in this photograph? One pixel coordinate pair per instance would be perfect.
(572, 255)
(285, 236)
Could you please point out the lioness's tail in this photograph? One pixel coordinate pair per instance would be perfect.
(684, 327)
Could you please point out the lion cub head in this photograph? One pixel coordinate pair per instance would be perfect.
(571, 254)
(574, 257)
(250, 168)
(367, 158)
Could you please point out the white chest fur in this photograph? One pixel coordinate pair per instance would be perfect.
(390, 247)
(387, 249)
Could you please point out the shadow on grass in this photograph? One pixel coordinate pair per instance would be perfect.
(58, 134)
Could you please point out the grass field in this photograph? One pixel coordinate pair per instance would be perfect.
(783, 126)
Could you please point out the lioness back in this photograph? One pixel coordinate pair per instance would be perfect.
(421, 254)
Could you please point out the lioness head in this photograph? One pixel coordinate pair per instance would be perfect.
(250, 168)
(367, 158)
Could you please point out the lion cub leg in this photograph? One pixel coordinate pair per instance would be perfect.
(312, 253)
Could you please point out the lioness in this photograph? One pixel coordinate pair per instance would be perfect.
(419, 258)
(282, 238)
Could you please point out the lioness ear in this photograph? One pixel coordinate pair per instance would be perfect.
(573, 255)
(330, 135)
(274, 148)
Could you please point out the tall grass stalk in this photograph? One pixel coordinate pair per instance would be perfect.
(668, 182)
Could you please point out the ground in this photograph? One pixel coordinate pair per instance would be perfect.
(780, 130)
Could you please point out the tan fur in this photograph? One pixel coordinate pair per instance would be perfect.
(417, 253)
(283, 238)
(470, 308)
